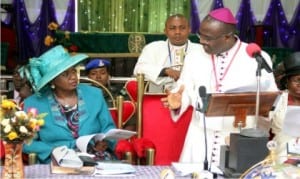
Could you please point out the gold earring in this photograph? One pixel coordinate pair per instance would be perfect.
(52, 86)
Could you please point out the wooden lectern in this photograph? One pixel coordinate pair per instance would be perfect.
(243, 152)
(239, 105)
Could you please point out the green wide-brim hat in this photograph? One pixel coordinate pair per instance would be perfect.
(49, 65)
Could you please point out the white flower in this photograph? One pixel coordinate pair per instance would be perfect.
(5, 122)
(13, 119)
(23, 129)
(33, 120)
(7, 128)
(21, 115)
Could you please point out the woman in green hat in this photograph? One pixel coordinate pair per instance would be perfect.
(71, 108)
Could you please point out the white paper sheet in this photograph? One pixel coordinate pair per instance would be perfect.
(83, 141)
(115, 169)
(291, 124)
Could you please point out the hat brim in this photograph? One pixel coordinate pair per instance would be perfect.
(74, 60)
(283, 80)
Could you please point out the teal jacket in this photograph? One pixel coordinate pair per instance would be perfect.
(94, 118)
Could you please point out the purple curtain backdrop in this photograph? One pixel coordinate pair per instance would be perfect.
(31, 35)
(280, 34)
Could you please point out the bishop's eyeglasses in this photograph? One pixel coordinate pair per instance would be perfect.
(210, 38)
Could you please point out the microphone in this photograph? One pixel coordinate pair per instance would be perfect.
(203, 96)
(253, 50)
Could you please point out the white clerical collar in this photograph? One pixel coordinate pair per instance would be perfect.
(178, 46)
(230, 51)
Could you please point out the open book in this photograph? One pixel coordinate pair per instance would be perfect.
(66, 161)
(113, 134)
(64, 157)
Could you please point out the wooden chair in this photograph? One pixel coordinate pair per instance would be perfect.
(121, 111)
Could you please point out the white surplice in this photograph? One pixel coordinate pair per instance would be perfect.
(199, 71)
(161, 54)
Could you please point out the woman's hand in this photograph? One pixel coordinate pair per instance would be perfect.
(101, 145)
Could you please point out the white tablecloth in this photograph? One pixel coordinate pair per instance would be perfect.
(142, 172)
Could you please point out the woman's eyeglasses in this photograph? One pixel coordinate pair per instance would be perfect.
(295, 81)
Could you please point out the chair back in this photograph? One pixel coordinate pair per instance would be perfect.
(168, 136)
(121, 111)
(131, 89)
(156, 124)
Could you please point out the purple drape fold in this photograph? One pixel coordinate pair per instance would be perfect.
(69, 20)
(246, 21)
(217, 4)
(31, 35)
(275, 18)
(195, 19)
(294, 39)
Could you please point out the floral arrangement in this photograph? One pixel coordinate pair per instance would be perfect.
(17, 125)
(66, 42)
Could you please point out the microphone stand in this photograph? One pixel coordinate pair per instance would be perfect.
(256, 132)
(206, 171)
(205, 162)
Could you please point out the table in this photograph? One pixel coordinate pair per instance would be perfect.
(142, 172)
